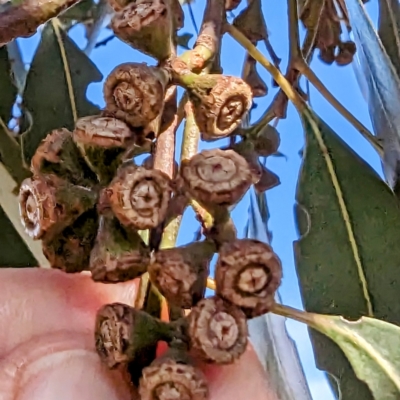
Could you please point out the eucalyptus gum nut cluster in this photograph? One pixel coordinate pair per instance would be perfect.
(247, 274)
(135, 93)
(180, 273)
(48, 204)
(139, 197)
(216, 177)
(119, 254)
(147, 25)
(217, 330)
(219, 102)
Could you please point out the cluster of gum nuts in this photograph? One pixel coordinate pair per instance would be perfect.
(90, 204)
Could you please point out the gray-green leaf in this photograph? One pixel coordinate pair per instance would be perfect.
(55, 92)
(348, 258)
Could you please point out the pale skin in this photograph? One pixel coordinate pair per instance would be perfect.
(47, 347)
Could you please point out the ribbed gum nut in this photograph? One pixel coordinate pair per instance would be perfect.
(70, 250)
(119, 254)
(217, 330)
(172, 380)
(135, 93)
(48, 204)
(57, 154)
(139, 197)
(121, 332)
(220, 104)
(180, 274)
(147, 26)
(219, 177)
(231, 4)
(247, 274)
(254, 80)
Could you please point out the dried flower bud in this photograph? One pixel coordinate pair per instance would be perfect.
(135, 93)
(266, 140)
(346, 53)
(218, 331)
(220, 103)
(57, 154)
(139, 197)
(122, 332)
(146, 26)
(268, 180)
(102, 141)
(119, 254)
(70, 250)
(231, 4)
(247, 274)
(251, 22)
(327, 54)
(216, 176)
(180, 274)
(253, 79)
(48, 204)
(167, 378)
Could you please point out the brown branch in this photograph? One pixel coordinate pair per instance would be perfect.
(22, 20)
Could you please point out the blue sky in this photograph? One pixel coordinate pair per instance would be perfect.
(339, 80)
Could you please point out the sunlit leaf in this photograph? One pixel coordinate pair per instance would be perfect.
(348, 258)
(383, 87)
(270, 339)
(372, 347)
(55, 92)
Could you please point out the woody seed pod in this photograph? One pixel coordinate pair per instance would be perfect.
(247, 274)
(219, 103)
(135, 93)
(147, 26)
(102, 141)
(57, 154)
(251, 22)
(173, 377)
(346, 53)
(123, 332)
(48, 204)
(139, 197)
(218, 331)
(119, 254)
(180, 274)
(216, 176)
(70, 250)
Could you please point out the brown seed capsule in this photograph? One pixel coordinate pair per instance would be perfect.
(268, 180)
(57, 154)
(216, 176)
(266, 141)
(180, 274)
(122, 332)
(251, 22)
(119, 254)
(139, 197)
(346, 53)
(231, 4)
(70, 250)
(247, 274)
(220, 103)
(102, 141)
(168, 379)
(48, 204)
(218, 331)
(327, 54)
(147, 26)
(135, 93)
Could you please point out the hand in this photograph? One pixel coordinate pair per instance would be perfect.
(47, 345)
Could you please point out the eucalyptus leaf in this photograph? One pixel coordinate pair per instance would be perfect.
(276, 350)
(348, 257)
(383, 86)
(55, 91)
(371, 345)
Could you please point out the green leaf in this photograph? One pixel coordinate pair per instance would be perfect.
(383, 85)
(348, 257)
(55, 91)
(372, 347)
(183, 40)
(10, 150)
